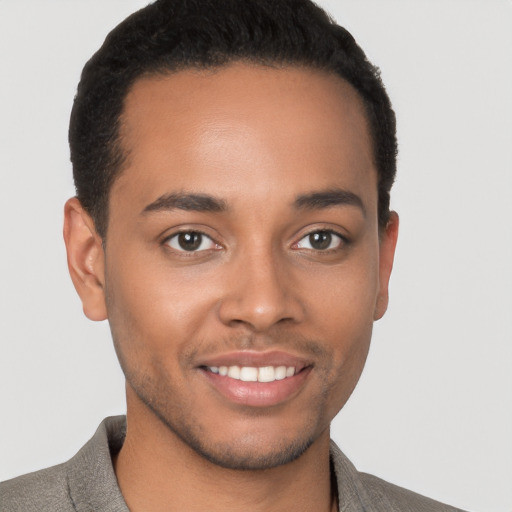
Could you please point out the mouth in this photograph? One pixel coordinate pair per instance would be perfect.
(257, 380)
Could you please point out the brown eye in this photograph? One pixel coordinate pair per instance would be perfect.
(191, 241)
(321, 240)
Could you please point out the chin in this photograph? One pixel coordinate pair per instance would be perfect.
(243, 455)
(255, 445)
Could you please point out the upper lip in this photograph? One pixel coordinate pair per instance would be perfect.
(256, 359)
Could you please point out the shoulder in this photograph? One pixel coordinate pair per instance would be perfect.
(386, 496)
(360, 491)
(85, 482)
(42, 490)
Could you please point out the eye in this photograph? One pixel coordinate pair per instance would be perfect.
(322, 240)
(191, 241)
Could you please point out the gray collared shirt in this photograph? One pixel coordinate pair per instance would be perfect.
(87, 483)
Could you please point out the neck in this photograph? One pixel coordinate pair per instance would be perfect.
(156, 471)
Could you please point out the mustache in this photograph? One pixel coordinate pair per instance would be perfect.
(297, 344)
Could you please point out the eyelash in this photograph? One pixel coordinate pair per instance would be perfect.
(167, 241)
(342, 241)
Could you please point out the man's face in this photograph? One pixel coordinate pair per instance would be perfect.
(243, 239)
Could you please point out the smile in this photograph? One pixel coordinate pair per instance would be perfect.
(256, 379)
(254, 374)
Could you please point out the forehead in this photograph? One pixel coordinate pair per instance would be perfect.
(243, 129)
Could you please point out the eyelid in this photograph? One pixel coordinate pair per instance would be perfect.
(343, 239)
(181, 231)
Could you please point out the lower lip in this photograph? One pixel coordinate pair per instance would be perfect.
(258, 394)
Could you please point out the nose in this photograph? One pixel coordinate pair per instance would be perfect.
(260, 293)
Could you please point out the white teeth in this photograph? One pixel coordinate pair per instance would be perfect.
(280, 372)
(234, 372)
(249, 374)
(254, 374)
(266, 374)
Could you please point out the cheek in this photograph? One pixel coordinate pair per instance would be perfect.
(342, 299)
(347, 375)
(341, 307)
(153, 310)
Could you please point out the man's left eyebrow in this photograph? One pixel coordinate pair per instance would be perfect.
(327, 198)
(187, 202)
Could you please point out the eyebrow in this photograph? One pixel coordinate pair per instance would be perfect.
(327, 198)
(188, 202)
(207, 203)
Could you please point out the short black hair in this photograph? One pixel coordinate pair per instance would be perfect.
(170, 35)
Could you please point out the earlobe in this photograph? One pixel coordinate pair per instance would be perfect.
(85, 257)
(386, 257)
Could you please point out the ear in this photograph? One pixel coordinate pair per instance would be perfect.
(86, 259)
(387, 247)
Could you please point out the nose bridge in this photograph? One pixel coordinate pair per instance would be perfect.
(260, 293)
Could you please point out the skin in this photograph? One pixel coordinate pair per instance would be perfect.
(255, 139)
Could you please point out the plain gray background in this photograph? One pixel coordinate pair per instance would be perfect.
(433, 410)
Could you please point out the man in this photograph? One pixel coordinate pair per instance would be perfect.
(233, 162)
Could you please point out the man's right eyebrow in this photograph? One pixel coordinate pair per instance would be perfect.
(188, 202)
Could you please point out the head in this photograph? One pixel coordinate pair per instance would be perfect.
(233, 161)
(172, 35)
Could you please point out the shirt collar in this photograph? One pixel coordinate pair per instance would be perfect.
(92, 483)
